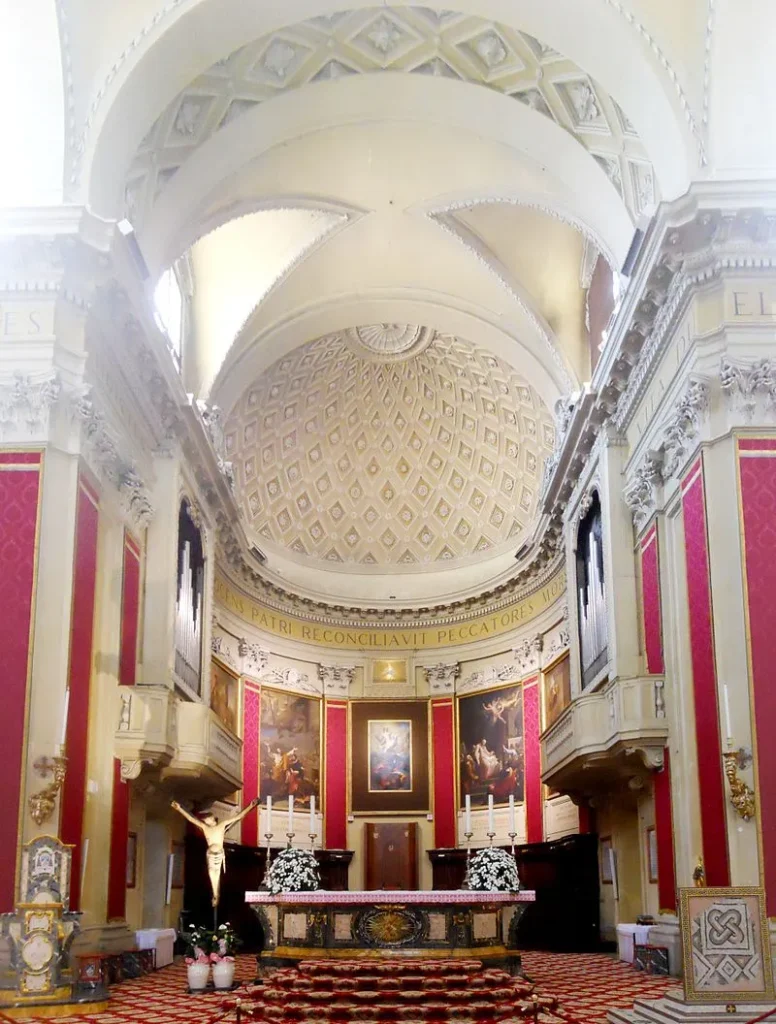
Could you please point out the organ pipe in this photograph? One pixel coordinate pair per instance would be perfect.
(189, 603)
(591, 597)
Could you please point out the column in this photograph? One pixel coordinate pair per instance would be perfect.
(709, 752)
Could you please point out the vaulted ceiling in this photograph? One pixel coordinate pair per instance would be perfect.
(339, 178)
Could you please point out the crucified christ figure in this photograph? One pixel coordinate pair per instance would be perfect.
(214, 832)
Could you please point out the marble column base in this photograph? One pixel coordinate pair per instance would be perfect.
(672, 1009)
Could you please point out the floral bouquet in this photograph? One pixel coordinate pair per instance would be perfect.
(492, 870)
(224, 944)
(199, 942)
(294, 870)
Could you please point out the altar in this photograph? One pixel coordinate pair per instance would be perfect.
(377, 923)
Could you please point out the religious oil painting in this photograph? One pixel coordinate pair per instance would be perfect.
(290, 742)
(491, 754)
(224, 690)
(390, 755)
(557, 689)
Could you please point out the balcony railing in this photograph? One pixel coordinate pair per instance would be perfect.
(618, 732)
(183, 742)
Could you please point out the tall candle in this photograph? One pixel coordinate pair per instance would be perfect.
(490, 813)
(291, 813)
(312, 815)
(468, 813)
(268, 823)
(512, 828)
(63, 730)
(728, 726)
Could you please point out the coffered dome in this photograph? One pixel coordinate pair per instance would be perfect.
(358, 464)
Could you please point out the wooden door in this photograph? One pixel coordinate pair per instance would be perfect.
(391, 854)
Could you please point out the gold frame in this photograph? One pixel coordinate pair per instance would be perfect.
(319, 802)
(650, 836)
(542, 673)
(457, 732)
(387, 721)
(429, 748)
(768, 995)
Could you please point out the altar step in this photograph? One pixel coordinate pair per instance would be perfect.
(393, 992)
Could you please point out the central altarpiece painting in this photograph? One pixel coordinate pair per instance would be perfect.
(389, 755)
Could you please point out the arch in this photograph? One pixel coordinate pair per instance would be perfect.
(159, 64)
(570, 177)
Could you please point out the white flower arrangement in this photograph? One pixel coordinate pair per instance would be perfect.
(294, 870)
(492, 870)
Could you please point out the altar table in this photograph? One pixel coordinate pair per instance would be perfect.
(378, 923)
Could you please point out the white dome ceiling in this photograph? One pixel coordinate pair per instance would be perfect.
(351, 463)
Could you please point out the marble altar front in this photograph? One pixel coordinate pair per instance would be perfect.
(377, 923)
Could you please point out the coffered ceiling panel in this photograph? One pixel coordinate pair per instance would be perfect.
(389, 446)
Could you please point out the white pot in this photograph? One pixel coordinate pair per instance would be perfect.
(198, 975)
(223, 974)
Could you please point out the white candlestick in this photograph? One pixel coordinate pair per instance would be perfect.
(468, 813)
(512, 813)
(291, 813)
(63, 730)
(268, 823)
(312, 815)
(728, 726)
(490, 813)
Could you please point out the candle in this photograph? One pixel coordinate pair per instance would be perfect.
(291, 813)
(268, 822)
(490, 813)
(63, 730)
(512, 828)
(728, 726)
(468, 813)
(312, 815)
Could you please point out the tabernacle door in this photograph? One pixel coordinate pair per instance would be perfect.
(391, 854)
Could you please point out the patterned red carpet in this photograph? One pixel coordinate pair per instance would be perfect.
(586, 986)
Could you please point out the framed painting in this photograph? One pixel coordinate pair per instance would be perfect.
(131, 860)
(556, 689)
(491, 758)
(290, 742)
(652, 853)
(178, 853)
(389, 756)
(726, 948)
(224, 694)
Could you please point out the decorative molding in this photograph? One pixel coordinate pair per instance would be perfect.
(254, 656)
(441, 677)
(219, 647)
(659, 465)
(745, 383)
(489, 677)
(528, 654)
(131, 769)
(336, 679)
(109, 463)
(213, 419)
(25, 403)
(126, 708)
(290, 679)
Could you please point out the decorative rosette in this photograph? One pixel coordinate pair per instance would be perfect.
(294, 870)
(492, 870)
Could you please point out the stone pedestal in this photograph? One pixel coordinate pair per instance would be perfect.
(666, 933)
(673, 1009)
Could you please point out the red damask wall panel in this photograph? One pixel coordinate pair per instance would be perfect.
(704, 673)
(664, 834)
(650, 600)
(19, 512)
(757, 469)
(130, 611)
(250, 756)
(534, 823)
(443, 740)
(336, 809)
(79, 677)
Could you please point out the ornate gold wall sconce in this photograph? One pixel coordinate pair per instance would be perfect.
(43, 802)
(741, 796)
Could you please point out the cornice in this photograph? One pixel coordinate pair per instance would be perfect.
(690, 242)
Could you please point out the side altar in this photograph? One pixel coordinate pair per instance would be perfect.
(446, 924)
